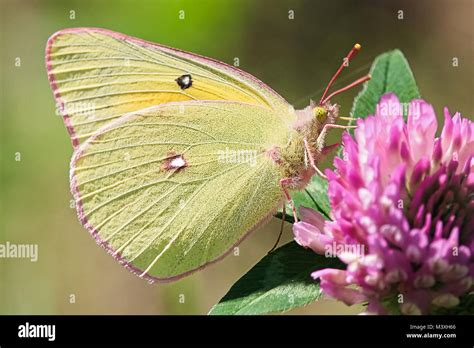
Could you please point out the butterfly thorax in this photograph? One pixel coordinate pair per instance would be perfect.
(293, 159)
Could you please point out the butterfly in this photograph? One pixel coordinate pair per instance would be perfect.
(177, 157)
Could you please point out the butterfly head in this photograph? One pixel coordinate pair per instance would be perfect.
(320, 113)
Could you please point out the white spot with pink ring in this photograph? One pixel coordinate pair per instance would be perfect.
(177, 162)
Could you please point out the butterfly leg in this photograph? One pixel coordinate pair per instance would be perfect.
(281, 229)
(284, 183)
(329, 126)
(311, 160)
(328, 148)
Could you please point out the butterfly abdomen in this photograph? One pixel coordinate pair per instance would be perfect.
(291, 161)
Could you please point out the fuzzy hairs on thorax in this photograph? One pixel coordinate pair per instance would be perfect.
(293, 160)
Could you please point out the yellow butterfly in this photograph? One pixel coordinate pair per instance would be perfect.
(177, 157)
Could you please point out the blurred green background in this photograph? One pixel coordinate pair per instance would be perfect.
(295, 57)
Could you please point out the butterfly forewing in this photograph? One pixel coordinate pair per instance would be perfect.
(98, 76)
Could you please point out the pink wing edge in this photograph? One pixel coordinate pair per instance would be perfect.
(106, 245)
(214, 62)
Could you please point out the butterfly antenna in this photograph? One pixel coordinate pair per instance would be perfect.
(345, 62)
(349, 86)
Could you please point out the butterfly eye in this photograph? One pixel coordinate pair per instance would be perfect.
(184, 81)
(320, 113)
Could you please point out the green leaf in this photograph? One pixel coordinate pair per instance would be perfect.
(315, 196)
(390, 73)
(279, 282)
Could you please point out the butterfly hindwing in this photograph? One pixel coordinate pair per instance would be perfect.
(171, 188)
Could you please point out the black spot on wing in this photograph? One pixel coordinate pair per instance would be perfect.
(184, 81)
